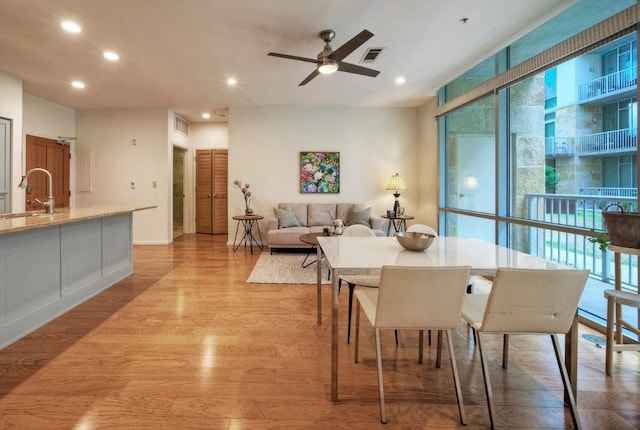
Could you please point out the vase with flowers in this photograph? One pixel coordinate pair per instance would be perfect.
(244, 188)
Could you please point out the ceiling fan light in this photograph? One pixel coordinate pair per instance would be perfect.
(328, 66)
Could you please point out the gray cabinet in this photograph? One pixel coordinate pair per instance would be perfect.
(45, 272)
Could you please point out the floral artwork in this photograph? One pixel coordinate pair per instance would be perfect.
(319, 172)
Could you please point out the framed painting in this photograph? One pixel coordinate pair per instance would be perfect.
(319, 172)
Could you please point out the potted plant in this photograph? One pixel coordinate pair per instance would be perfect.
(244, 188)
(601, 239)
(623, 227)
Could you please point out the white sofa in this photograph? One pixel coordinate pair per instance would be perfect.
(312, 217)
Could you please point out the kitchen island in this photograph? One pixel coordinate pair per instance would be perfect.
(50, 263)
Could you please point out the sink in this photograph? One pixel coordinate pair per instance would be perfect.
(21, 215)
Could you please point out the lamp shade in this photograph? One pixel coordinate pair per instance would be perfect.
(396, 183)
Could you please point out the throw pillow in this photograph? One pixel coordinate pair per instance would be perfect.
(359, 216)
(286, 217)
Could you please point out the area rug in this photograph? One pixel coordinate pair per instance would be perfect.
(285, 268)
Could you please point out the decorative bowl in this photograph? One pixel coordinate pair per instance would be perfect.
(415, 241)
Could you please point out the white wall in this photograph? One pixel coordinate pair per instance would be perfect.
(108, 136)
(264, 145)
(374, 144)
(11, 108)
(35, 116)
(209, 135)
(47, 119)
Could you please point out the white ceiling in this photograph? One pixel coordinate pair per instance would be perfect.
(178, 54)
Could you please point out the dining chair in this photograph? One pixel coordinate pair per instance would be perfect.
(615, 300)
(414, 298)
(370, 280)
(357, 230)
(423, 228)
(526, 301)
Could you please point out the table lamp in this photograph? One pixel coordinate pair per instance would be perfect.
(396, 184)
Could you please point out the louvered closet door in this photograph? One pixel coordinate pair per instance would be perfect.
(220, 158)
(211, 191)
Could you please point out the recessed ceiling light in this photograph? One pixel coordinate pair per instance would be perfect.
(77, 84)
(71, 26)
(231, 81)
(206, 115)
(111, 56)
(400, 80)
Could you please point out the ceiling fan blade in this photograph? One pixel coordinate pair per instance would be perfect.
(359, 70)
(308, 78)
(293, 57)
(351, 45)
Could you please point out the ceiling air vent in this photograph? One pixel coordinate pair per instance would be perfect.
(370, 55)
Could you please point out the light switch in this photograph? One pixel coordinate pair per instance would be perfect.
(154, 184)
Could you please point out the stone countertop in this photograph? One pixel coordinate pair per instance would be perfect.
(12, 223)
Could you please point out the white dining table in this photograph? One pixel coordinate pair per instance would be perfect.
(352, 255)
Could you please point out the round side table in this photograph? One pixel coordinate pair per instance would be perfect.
(249, 223)
(399, 222)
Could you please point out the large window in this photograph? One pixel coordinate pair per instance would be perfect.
(533, 164)
(470, 180)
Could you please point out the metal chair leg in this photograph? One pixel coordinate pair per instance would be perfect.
(505, 351)
(383, 417)
(567, 383)
(456, 378)
(487, 381)
(439, 352)
(351, 288)
(610, 340)
(357, 331)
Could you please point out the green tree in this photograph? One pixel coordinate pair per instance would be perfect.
(551, 179)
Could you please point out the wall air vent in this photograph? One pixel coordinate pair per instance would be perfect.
(370, 55)
(181, 125)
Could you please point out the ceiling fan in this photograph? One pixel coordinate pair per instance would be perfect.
(330, 61)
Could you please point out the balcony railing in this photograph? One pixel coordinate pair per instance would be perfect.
(566, 211)
(609, 84)
(609, 141)
(558, 146)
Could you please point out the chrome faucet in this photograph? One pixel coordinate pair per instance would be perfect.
(49, 205)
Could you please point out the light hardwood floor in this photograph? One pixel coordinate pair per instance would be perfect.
(185, 343)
